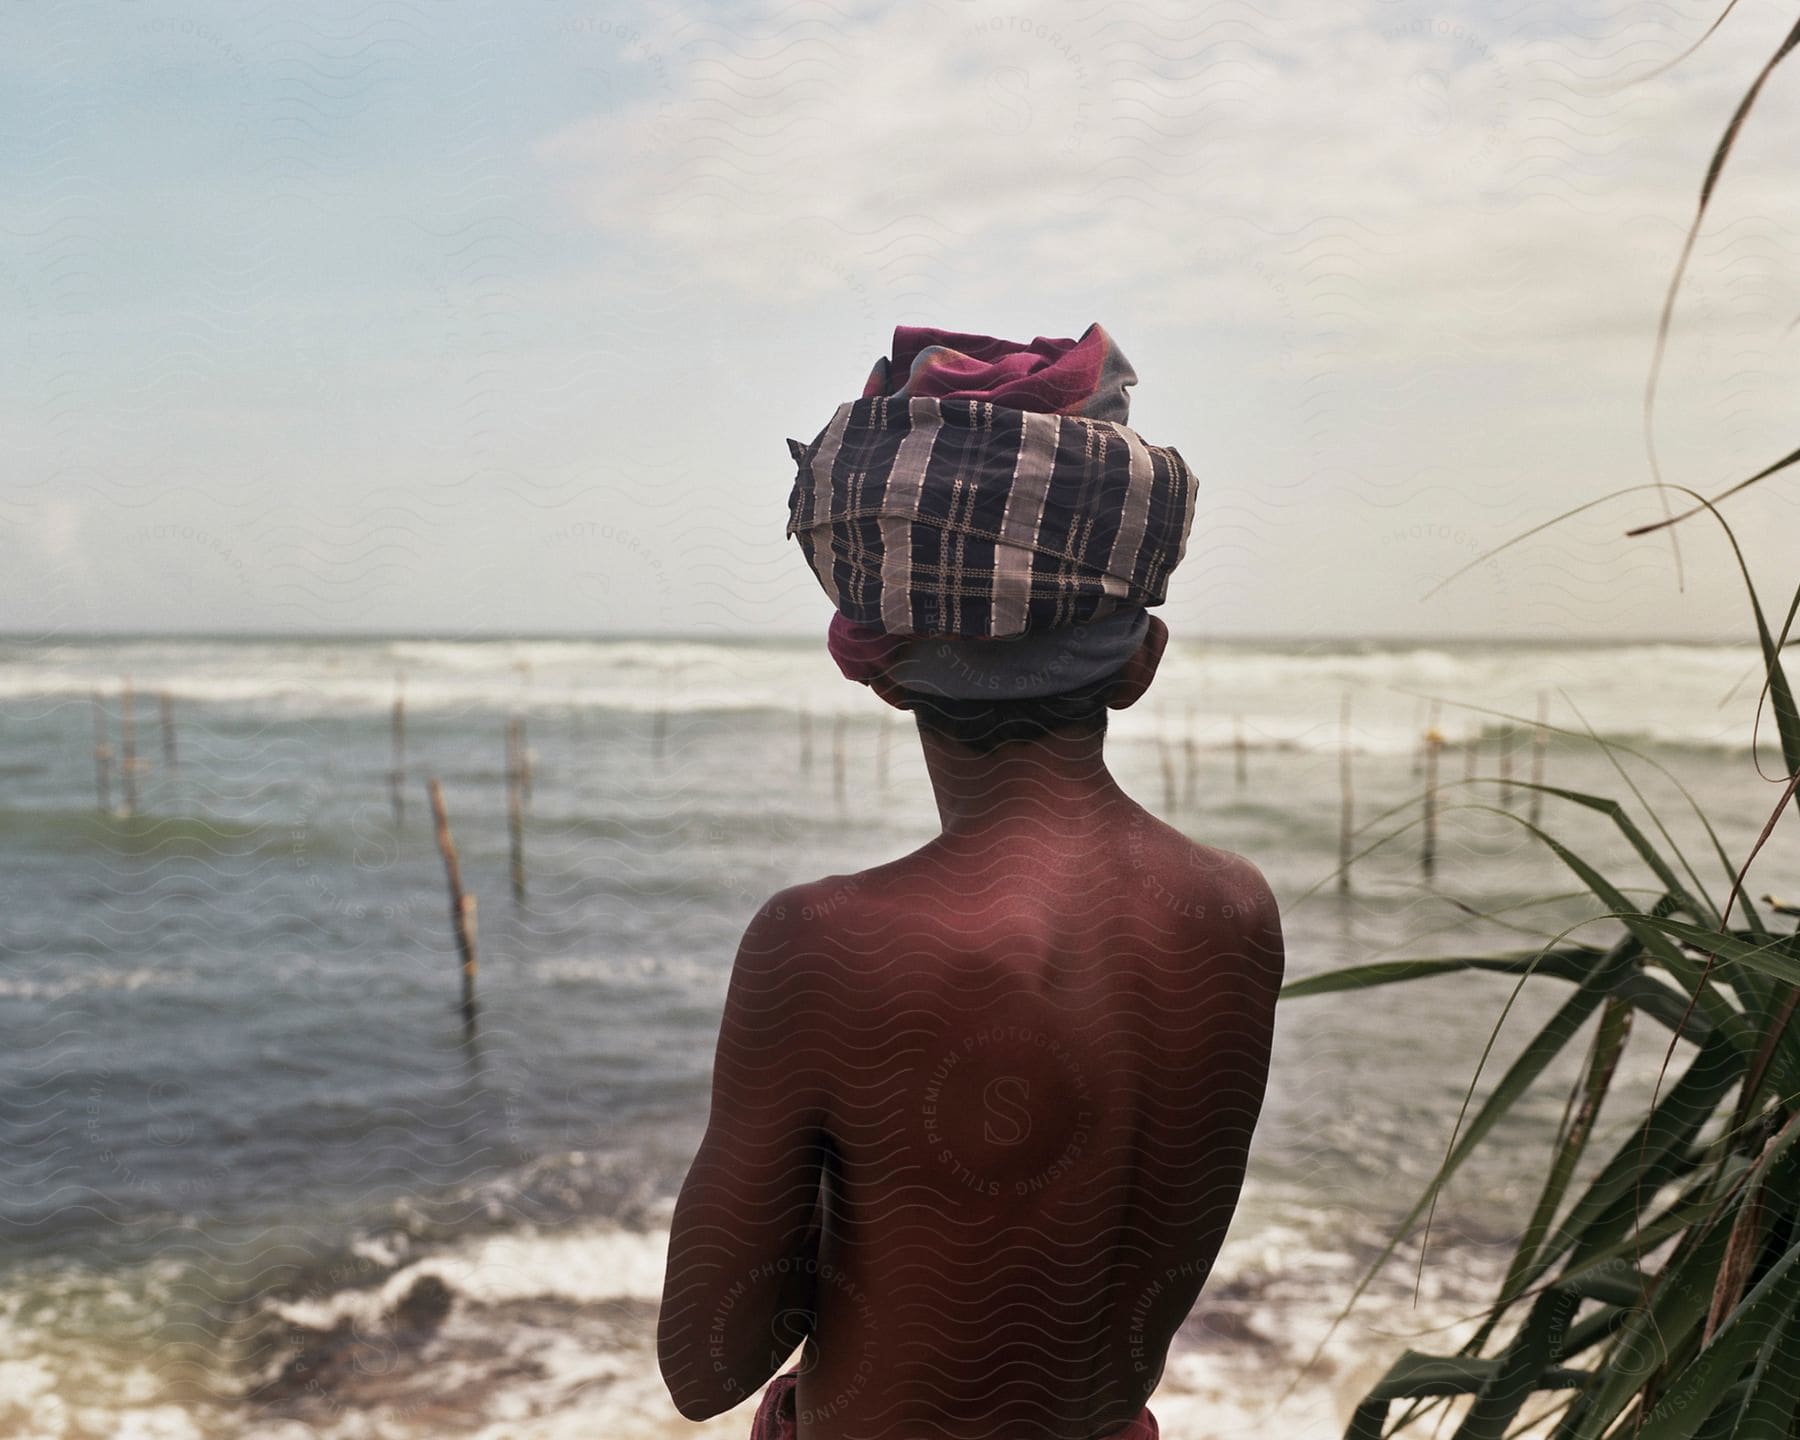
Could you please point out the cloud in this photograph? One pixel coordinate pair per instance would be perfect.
(955, 148)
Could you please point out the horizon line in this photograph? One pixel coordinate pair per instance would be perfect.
(715, 636)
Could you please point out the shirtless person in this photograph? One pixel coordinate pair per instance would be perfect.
(980, 1116)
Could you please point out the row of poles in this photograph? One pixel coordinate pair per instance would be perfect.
(519, 777)
(462, 903)
(1426, 765)
(131, 764)
(1190, 750)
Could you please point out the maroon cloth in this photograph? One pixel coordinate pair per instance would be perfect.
(1086, 377)
(862, 652)
(777, 1418)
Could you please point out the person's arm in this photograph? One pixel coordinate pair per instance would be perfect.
(743, 1244)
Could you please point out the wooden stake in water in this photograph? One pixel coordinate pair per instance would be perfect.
(527, 771)
(1540, 740)
(462, 907)
(515, 802)
(1434, 742)
(1471, 752)
(397, 774)
(806, 742)
(1347, 824)
(128, 748)
(102, 757)
(1506, 758)
(1242, 751)
(837, 756)
(1190, 755)
(167, 707)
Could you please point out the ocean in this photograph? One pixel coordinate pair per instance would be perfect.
(260, 1180)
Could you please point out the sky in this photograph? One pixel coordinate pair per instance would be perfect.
(467, 318)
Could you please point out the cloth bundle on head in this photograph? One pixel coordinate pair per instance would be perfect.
(988, 491)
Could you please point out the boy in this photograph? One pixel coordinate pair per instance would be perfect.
(981, 1115)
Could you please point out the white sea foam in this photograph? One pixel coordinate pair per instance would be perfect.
(1279, 696)
(565, 1364)
(584, 1267)
(23, 987)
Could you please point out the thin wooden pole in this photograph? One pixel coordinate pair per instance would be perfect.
(462, 906)
(1433, 742)
(837, 756)
(397, 774)
(167, 707)
(1540, 741)
(1506, 759)
(515, 802)
(1190, 755)
(1242, 751)
(1419, 727)
(1472, 752)
(527, 771)
(1347, 822)
(806, 742)
(128, 748)
(102, 756)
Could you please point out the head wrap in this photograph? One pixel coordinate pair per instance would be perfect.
(1086, 377)
(989, 495)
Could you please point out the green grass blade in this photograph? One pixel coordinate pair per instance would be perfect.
(1521, 1369)
(1656, 941)
(1778, 957)
(1757, 1323)
(1609, 1044)
(1531, 1062)
(1772, 1401)
(1616, 812)
(1587, 1232)
(1414, 1376)
(1569, 963)
(1650, 1335)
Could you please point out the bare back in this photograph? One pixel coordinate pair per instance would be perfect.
(1046, 1056)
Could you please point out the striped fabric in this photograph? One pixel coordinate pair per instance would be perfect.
(930, 516)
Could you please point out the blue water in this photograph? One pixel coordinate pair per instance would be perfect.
(235, 1077)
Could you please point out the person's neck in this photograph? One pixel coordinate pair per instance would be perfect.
(1061, 778)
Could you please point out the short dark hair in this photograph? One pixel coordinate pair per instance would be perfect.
(984, 725)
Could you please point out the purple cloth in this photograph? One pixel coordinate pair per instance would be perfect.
(1086, 377)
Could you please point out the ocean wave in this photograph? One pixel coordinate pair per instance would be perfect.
(1264, 697)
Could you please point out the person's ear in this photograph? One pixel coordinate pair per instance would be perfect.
(1134, 679)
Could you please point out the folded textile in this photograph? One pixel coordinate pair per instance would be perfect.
(1086, 377)
(1024, 667)
(962, 517)
(862, 652)
(777, 1417)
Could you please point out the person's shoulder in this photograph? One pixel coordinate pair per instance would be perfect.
(1230, 879)
(808, 918)
(1244, 892)
(1227, 891)
(1246, 904)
